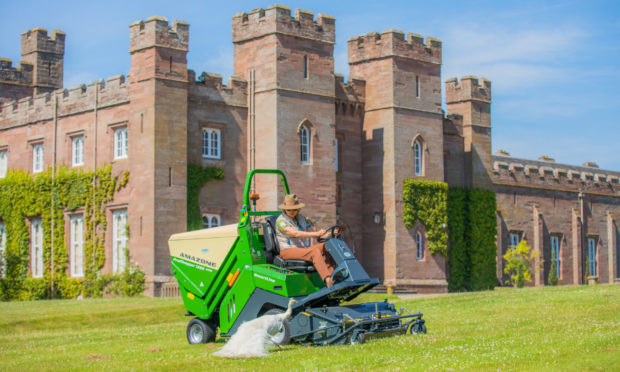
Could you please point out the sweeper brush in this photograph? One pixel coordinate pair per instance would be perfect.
(231, 274)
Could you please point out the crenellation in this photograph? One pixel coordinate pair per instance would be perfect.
(353, 91)
(277, 19)
(470, 88)
(523, 171)
(391, 43)
(37, 40)
(156, 31)
(76, 99)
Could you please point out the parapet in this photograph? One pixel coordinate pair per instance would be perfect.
(352, 91)
(550, 174)
(392, 43)
(37, 40)
(78, 99)
(156, 31)
(210, 89)
(21, 75)
(276, 19)
(469, 89)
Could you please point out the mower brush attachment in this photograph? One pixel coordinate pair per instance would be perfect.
(231, 274)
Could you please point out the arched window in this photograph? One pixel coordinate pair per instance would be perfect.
(419, 246)
(417, 158)
(304, 145)
(211, 220)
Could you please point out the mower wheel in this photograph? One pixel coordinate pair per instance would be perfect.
(283, 337)
(417, 328)
(361, 338)
(200, 331)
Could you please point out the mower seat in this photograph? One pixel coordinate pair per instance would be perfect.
(272, 249)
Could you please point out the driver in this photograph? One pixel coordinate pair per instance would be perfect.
(294, 232)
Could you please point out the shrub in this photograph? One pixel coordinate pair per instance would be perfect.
(519, 260)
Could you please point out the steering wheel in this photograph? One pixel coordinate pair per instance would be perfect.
(333, 233)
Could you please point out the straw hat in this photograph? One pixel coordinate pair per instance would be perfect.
(291, 202)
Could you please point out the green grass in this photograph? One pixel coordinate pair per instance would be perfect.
(532, 329)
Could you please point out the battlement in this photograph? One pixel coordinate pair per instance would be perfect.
(156, 31)
(549, 173)
(469, 89)
(18, 75)
(277, 19)
(37, 40)
(353, 91)
(70, 101)
(392, 43)
(208, 88)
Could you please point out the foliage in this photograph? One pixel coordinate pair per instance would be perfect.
(24, 196)
(472, 230)
(470, 217)
(197, 176)
(475, 331)
(458, 233)
(553, 276)
(483, 230)
(426, 201)
(519, 260)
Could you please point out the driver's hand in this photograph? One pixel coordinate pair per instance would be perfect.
(319, 233)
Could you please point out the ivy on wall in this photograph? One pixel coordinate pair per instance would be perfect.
(197, 177)
(23, 197)
(426, 201)
(471, 229)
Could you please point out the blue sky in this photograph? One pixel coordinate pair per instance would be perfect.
(554, 65)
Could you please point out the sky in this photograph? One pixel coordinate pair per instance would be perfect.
(554, 65)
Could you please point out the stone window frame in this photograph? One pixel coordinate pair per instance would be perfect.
(207, 220)
(74, 138)
(212, 126)
(38, 157)
(4, 161)
(305, 126)
(518, 234)
(117, 128)
(118, 257)
(207, 143)
(2, 250)
(558, 237)
(419, 143)
(592, 261)
(419, 242)
(36, 248)
(72, 246)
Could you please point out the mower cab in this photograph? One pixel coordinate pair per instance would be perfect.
(231, 274)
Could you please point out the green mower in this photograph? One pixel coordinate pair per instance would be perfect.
(231, 274)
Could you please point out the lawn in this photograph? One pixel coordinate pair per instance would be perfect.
(532, 329)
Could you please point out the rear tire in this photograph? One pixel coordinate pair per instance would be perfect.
(284, 336)
(200, 331)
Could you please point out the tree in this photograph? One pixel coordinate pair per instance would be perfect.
(519, 260)
(553, 276)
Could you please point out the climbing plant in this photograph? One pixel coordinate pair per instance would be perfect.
(471, 229)
(426, 201)
(197, 177)
(24, 196)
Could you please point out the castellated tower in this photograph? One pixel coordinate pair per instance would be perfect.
(157, 126)
(471, 99)
(289, 65)
(45, 53)
(403, 106)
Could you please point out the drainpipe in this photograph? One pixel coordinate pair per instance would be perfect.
(94, 227)
(52, 193)
(582, 240)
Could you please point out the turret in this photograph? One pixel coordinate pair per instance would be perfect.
(45, 53)
(158, 49)
(471, 98)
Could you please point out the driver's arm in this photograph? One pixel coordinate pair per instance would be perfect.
(294, 233)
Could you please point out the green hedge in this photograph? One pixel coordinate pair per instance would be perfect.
(471, 222)
(197, 176)
(24, 196)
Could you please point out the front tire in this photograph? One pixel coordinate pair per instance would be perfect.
(283, 337)
(200, 331)
(418, 328)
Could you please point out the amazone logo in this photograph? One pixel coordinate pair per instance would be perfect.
(199, 260)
